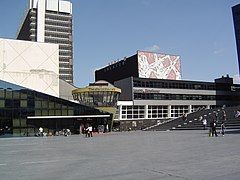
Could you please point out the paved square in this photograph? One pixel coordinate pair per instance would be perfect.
(128, 155)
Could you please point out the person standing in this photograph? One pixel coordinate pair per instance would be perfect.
(89, 129)
(40, 131)
(204, 123)
(213, 126)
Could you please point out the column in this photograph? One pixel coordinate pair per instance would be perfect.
(146, 112)
(120, 112)
(169, 111)
(189, 108)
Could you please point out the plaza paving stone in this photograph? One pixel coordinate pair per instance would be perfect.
(127, 155)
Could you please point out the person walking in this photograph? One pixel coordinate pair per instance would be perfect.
(223, 128)
(224, 116)
(184, 117)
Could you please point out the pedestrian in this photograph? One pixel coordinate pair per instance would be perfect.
(184, 117)
(223, 128)
(40, 131)
(224, 116)
(89, 129)
(204, 123)
(213, 126)
(216, 116)
(86, 131)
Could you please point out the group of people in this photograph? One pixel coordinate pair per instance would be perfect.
(62, 132)
(213, 124)
(86, 129)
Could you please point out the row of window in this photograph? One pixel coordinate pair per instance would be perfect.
(158, 96)
(56, 17)
(59, 23)
(153, 84)
(160, 112)
(97, 98)
(58, 41)
(58, 29)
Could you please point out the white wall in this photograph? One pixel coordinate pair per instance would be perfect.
(32, 65)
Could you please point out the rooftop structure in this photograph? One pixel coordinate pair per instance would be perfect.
(143, 65)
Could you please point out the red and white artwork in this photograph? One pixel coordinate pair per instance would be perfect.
(158, 66)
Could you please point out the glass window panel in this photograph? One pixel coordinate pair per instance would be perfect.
(64, 112)
(64, 107)
(8, 94)
(51, 105)
(51, 112)
(70, 112)
(23, 123)
(38, 104)
(16, 95)
(2, 94)
(44, 104)
(38, 112)
(23, 103)
(2, 103)
(16, 122)
(57, 105)
(23, 96)
(16, 132)
(44, 112)
(58, 112)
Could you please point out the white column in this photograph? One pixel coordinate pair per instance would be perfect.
(169, 111)
(189, 108)
(41, 8)
(120, 112)
(146, 112)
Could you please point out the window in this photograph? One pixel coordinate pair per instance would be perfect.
(23, 103)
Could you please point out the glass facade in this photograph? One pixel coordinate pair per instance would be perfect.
(98, 98)
(18, 103)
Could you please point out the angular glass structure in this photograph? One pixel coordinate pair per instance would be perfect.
(23, 111)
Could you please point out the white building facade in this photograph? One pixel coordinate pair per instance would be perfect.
(151, 101)
(32, 65)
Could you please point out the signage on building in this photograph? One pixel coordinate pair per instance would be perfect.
(146, 91)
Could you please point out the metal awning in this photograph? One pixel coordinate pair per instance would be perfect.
(68, 117)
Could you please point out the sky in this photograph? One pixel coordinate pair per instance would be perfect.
(201, 32)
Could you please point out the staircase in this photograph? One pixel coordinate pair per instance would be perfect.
(194, 122)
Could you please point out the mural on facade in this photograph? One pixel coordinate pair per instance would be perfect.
(158, 66)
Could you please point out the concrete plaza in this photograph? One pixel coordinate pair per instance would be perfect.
(128, 155)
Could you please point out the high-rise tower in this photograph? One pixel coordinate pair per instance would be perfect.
(236, 21)
(51, 21)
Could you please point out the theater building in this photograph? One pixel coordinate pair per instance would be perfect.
(147, 99)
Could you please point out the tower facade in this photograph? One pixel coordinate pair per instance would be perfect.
(51, 21)
(236, 21)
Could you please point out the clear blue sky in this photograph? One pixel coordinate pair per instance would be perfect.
(201, 32)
